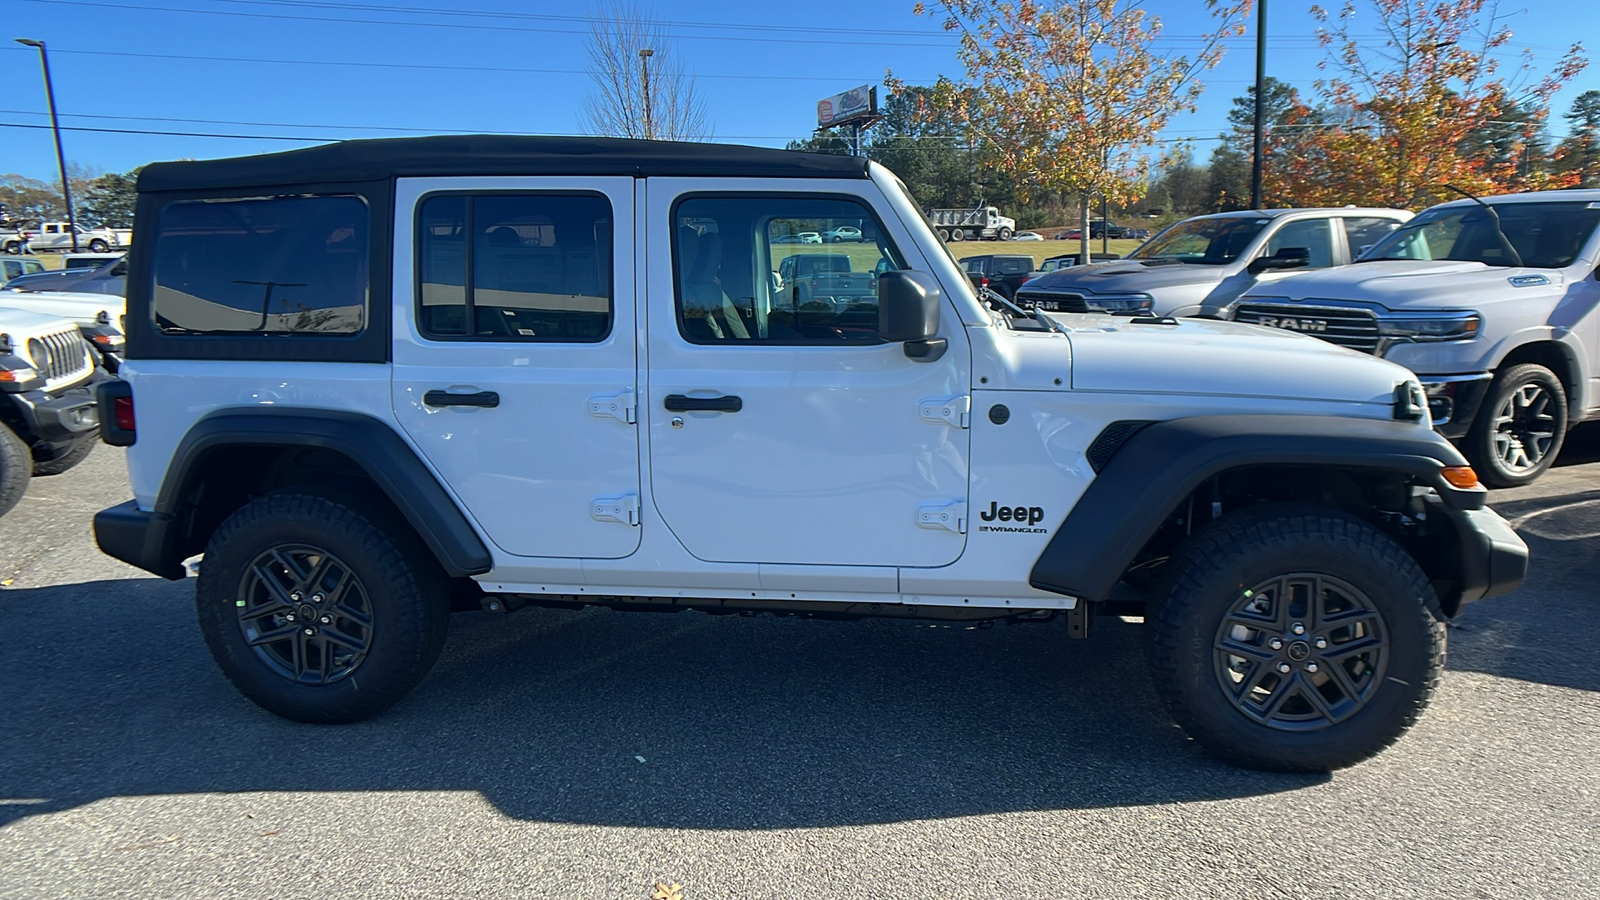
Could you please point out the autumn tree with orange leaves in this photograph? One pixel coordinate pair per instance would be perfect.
(1411, 104)
(1071, 97)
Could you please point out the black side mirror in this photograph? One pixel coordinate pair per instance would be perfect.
(908, 313)
(1285, 258)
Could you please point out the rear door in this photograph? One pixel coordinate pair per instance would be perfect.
(515, 358)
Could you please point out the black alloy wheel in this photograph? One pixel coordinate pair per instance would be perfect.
(1294, 638)
(305, 614)
(321, 607)
(1301, 651)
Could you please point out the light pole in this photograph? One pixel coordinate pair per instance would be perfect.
(55, 125)
(649, 123)
(1261, 87)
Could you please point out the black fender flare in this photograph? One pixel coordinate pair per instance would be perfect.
(1161, 463)
(152, 540)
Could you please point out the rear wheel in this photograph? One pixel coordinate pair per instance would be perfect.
(16, 468)
(1520, 428)
(316, 611)
(957, 234)
(14, 247)
(944, 234)
(1295, 639)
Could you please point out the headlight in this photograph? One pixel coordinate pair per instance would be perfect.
(1454, 326)
(1118, 303)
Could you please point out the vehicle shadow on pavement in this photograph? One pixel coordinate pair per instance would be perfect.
(1548, 630)
(595, 717)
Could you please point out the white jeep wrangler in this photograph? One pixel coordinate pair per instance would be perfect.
(1491, 302)
(375, 381)
(48, 418)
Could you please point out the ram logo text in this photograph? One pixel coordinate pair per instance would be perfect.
(1294, 324)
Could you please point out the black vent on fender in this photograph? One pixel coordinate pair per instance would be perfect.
(1105, 446)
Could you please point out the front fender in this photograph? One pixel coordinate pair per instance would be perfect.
(1161, 464)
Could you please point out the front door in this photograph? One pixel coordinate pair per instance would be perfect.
(514, 355)
(783, 430)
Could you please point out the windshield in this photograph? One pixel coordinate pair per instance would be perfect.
(1545, 235)
(1210, 242)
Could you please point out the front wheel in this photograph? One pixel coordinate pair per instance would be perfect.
(1295, 639)
(1520, 428)
(16, 469)
(316, 611)
(98, 246)
(1005, 234)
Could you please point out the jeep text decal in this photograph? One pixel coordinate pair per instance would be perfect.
(1025, 516)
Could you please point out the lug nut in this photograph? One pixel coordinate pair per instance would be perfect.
(1322, 643)
(1297, 628)
(1275, 643)
(311, 631)
(317, 598)
(296, 596)
(327, 620)
(1284, 668)
(1311, 667)
(289, 617)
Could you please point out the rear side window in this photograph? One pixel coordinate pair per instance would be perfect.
(275, 266)
(515, 267)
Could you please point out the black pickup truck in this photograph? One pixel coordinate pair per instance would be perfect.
(1002, 273)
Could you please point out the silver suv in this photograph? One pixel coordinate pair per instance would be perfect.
(1198, 266)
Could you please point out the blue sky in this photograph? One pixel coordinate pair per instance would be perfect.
(325, 69)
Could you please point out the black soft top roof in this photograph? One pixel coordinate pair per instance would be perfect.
(483, 154)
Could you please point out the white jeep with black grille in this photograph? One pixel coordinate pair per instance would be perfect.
(371, 382)
(48, 421)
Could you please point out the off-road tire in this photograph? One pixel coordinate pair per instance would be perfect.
(407, 602)
(16, 467)
(1214, 572)
(99, 246)
(1479, 445)
(79, 452)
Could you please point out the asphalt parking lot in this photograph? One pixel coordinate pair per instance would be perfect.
(593, 754)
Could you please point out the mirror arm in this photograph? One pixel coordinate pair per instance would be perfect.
(928, 350)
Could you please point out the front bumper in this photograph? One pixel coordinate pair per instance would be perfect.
(1453, 401)
(1483, 555)
(59, 417)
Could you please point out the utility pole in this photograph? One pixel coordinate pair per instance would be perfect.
(1261, 89)
(55, 126)
(649, 120)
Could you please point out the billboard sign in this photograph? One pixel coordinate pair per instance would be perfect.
(854, 105)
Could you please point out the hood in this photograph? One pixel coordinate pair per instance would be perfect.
(80, 308)
(27, 321)
(1126, 277)
(1401, 284)
(1212, 358)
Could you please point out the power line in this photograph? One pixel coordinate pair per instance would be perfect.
(78, 4)
(418, 66)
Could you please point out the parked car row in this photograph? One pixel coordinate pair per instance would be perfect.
(1490, 302)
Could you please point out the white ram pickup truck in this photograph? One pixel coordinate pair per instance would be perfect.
(1492, 303)
(370, 381)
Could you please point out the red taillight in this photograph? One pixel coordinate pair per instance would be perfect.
(122, 412)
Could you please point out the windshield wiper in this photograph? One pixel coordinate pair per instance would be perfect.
(1023, 313)
(1505, 242)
